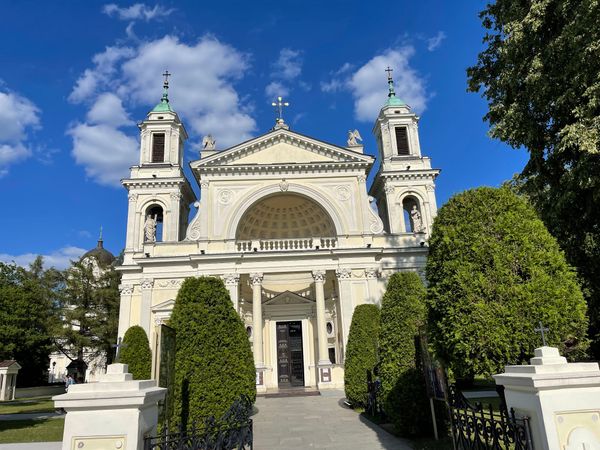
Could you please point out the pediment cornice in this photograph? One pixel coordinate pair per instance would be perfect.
(330, 155)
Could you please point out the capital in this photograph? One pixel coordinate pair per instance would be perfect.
(147, 284)
(126, 289)
(319, 276)
(372, 273)
(132, 197)
(343, 273)
(256, 279)
(231, 279)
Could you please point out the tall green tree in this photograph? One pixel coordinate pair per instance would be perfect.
(494, 272)
(540, 73)
(26, 303)
(361, 352)
(214, 365)
(136, 353)
(88, 311)
(403, 313)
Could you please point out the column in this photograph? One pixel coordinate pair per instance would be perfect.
(232, 281)
(131, 216)
(126, 291)
(344, 276)
(324, 363)
(173, 234)
(372, 274)
(257, 328)
(146, 287)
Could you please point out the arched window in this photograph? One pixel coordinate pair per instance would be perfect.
(413, 217)
(153, 224)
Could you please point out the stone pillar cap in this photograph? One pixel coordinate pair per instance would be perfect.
(546, 356)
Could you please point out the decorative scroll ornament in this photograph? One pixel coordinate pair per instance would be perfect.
(376, 224)
(284, 185)
(193, 231)
(132, 197)
(170, 283)
(256, 279)
(176, 195)
(204, 184)
(343, 273)
(362, 178)
(319, 276)
(430, 187)
(147, 284)
(389, 188)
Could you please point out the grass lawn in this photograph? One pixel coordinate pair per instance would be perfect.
(42, 430)
(29, 405)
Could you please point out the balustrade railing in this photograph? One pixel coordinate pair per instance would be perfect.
(286, 244)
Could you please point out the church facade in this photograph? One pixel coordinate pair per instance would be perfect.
(289, 224)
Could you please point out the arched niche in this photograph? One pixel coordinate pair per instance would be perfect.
(412, 214)
(153, 220)
(283, 216)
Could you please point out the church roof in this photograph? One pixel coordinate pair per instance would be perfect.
(103, 256)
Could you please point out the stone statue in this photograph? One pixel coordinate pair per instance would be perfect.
(415, 216)
(353, 138)
(150, 228)
(208, 142)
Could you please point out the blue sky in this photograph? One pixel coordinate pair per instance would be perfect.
(76, 77)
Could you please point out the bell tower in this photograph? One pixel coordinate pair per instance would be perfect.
(404, 185)
(159, 193)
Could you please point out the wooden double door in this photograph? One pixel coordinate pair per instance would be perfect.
(290, 356)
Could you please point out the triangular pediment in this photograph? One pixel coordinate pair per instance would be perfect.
(167, 305)
(283, 147)
(289, 298)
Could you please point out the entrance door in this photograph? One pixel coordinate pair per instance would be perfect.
(290, 358)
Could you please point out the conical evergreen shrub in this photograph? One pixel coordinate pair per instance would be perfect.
(361, 353)
(214, 365)
(403, 389)
(136, 353)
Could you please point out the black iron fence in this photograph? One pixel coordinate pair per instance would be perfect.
(374, 406)
(477, 428)
(233, 431)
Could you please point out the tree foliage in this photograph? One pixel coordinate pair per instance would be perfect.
(540, 72)
(88, 311)
(403, 313)
(214, 365)
(136, 353)
(361, 352)
(26, 302)
(494, 272)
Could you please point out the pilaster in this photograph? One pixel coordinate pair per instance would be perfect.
(145, 310)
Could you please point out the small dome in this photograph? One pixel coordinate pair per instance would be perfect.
(103, 256)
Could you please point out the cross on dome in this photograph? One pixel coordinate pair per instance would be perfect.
(392, 99)
(164, 106)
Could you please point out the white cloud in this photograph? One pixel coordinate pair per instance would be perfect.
(105, 151)
(289, 64)
(435, 41)
(139, 11)
(60, 259)
(108, 110)
(201, 91)
(368, 84)
(18, 116)
(275, 89)
(286, 71)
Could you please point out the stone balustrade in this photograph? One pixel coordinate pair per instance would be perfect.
(286, 244)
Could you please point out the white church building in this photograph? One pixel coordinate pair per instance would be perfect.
(289, 224)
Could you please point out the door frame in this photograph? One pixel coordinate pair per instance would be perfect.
(305, 347)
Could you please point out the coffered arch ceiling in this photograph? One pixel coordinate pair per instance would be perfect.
(285, 216)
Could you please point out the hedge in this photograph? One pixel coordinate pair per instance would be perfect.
(361, 353)
(404, 394)
(136, 353)
(214, 364)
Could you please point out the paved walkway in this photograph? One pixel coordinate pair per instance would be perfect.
(32, 446)
(317, 422)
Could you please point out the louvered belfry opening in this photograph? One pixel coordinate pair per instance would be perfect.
(402, 141)
(158, 147)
